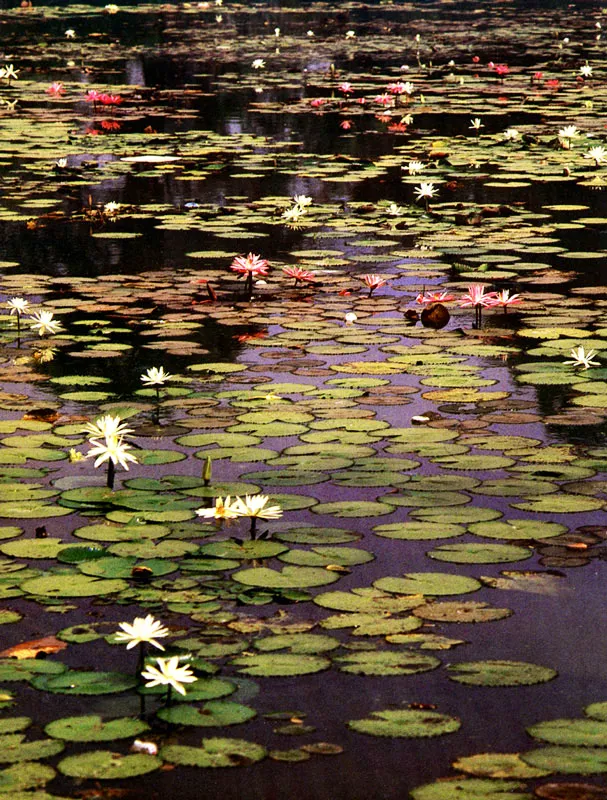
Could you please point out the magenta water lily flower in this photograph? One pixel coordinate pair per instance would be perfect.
(479, 299)
(250, 267)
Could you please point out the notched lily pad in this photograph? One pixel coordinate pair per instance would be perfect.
(406, 723)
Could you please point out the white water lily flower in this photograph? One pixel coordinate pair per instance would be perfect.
(510, 134)
(415, 167)
(581, 358)
(598, 154)
(350, 318)
(258, 63)
(70, 33)
(107, 426)
(256, 505)
(142, 629)
(293, 214)
(44, 323)
(394, 210)
(113, 449)
(586, 70)
(17, 305)
(155, 376)
(112, 208)
(168, 673)
(223, 509)
(302, 200)
(425, 190)
(476, 124)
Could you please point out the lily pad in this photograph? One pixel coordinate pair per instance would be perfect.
(94, 729)
(215, 753)
(428, 583)
(211, 714)
(406, 723)
(499, 673)
(107, 765)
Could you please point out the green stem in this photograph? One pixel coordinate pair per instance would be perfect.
(111, 471)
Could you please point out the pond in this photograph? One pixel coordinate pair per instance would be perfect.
(303, 333)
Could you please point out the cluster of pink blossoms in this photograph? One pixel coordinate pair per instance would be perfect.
(476, 297)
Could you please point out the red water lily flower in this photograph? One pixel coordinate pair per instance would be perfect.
(346, 124)
(55, 89)
(300, 275)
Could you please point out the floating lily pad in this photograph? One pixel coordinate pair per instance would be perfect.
(428, 583)
(94, 729)
(85, 683)
(568, 760)
(517, 529)
(387, 662)
(14, 748)
(407, 723)
(25, 775)
(107, 765)
(288, 578)
(353, 508)
(578, 732)
(472, 789)
(215, 753)
(498, 765)
(211, 714)
(72, 585)
(280, 664)
(478, 553)
(419, 530)
(499, 673)
(462, 611)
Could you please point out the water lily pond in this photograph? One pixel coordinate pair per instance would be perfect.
(303, 344)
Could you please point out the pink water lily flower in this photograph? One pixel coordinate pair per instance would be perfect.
(345, 87)
(478, 298)
(300, 275)
(434, 297)
(373, 281)
(249, 267)
(505, 299)
(55, 89)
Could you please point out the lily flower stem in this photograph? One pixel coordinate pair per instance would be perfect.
(253, 527)
(478, 315)
(169, 699)
(249, 285)
(140, 660)
(18, 330)
(111, 472)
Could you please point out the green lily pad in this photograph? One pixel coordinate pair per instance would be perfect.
(214, 753)
(499, 673)
(14, 724)
(247, 550)
(461, 611)
(115, 567)
(498, 765)
(353, 508)
(428, 583)
(517, 529)
(280, 664)
(479, 553)
(406, 723)
(85, 683)
(310, 534)
(289, 578)
(387, 662)
(94, 729)
(106, 765)
(471, 789)
(578, 732)
(307, 643)
(25, 775)
(211, 714)
(72, 585)
(24, 669)
(568, 760)
(13, 748)
(33, 548)
(418, 531)
(327, 555)
(365, 601)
